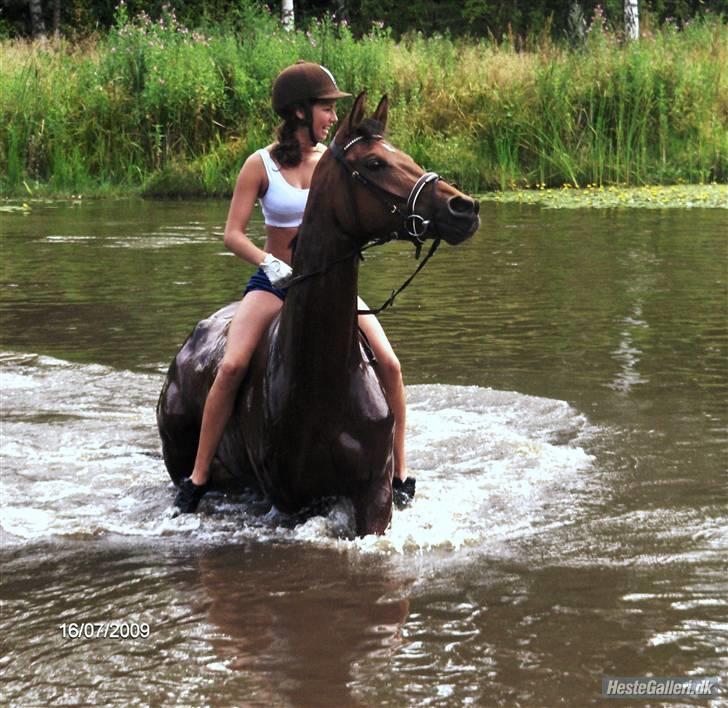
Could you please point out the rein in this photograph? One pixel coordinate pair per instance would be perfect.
(414, 225)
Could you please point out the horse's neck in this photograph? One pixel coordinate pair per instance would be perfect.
(318, 333)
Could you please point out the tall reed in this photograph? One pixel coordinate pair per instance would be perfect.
(154, 106)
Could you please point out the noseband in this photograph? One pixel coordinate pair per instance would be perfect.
(414, 226)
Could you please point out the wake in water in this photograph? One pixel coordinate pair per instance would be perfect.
(80, 458)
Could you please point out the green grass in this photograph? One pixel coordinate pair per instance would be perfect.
(155, 108)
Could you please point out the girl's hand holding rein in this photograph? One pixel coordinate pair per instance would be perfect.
(278, 272)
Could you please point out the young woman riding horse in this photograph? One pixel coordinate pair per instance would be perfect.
(279, 177)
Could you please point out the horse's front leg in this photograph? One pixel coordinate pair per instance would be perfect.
(374, 509)
(364, 466)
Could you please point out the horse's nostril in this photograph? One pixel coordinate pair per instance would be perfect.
(462, 206)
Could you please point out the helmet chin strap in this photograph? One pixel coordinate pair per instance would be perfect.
(308, 119)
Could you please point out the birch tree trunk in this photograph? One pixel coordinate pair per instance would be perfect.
(36, 19)
(56, 19)
(632, 19)
(287, 17)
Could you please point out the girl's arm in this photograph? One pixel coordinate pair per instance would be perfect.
(247, 188)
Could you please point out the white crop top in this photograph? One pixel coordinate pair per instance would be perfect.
(282, 204)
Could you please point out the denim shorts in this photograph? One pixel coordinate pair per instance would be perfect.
(259, 281)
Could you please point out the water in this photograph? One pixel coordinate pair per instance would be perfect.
(566, 376)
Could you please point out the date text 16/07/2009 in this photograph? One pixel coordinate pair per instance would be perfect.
(104, 630)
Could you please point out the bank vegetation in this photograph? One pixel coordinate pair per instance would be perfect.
(154, 107)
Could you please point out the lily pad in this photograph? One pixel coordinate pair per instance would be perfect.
(22, 208)
(689, 196)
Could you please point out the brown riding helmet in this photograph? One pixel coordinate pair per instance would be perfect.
(304, 81)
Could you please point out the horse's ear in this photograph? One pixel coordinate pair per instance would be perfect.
(356, 115)
(381, 113)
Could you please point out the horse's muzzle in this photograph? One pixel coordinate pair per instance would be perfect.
(462, 206)
(460, 220)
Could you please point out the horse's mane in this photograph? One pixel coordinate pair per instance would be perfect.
(369, 129)
(294, 242)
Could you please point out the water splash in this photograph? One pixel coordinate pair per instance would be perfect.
(80, 455)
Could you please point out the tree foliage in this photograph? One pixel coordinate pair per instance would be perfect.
(516, 19)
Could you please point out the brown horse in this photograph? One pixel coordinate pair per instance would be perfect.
(311, 420)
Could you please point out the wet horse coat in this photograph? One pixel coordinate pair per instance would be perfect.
(311, 419)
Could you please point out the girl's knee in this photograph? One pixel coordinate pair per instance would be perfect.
(231, 371)
(390, 368)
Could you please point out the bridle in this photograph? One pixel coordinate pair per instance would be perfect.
(414, 226)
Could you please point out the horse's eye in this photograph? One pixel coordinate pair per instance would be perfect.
(375, 163)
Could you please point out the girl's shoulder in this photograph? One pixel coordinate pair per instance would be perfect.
(253, 174)
(253, 163)
(263, 152)
(266, 155)
(256, 160)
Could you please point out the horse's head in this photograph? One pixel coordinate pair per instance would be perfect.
(393, 196)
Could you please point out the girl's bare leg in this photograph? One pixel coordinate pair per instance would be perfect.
(391, 375)
(254, 314)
